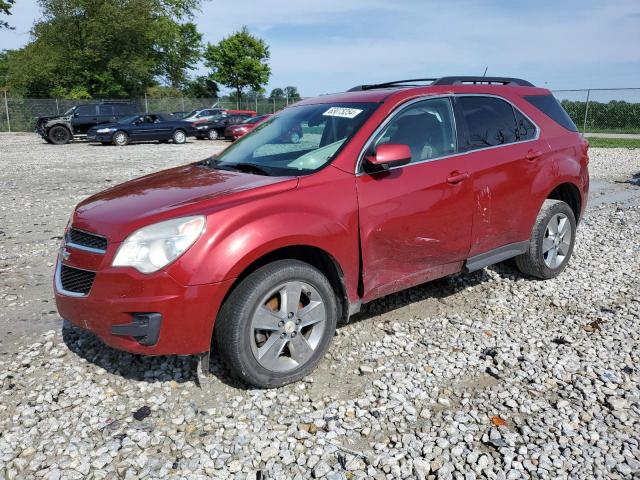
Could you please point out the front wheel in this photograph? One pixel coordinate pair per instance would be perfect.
(294, 137)
(59, 135)
(120, 139)
(179, 137)
(277, 324)
(213, 134)
(551, 243)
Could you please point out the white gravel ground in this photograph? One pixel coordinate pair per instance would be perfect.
(486, 375)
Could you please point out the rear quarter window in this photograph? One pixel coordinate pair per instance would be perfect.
(491, 121)
(548, 105)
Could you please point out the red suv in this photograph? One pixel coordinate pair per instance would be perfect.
(262, 249)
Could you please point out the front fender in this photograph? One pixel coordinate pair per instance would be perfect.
(242, 234)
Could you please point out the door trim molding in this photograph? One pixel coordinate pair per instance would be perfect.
(495, 256)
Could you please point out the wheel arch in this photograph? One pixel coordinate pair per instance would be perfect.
(569, 193)
(314, 256)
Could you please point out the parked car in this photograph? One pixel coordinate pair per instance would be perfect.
(142, 128)
(234, 132)
(215, 128)
(78, 120)
(261, 249)
(214, 113)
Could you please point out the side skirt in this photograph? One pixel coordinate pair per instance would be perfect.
(496, 255)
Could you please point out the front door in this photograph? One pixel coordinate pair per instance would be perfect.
(415, 220)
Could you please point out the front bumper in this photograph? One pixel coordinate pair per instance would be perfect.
(99, 137)
(121, 298)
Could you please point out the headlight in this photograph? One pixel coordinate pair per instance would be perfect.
(155, 246)
(105, 130)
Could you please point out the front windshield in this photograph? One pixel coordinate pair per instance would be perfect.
(129, 119)
(297, 141)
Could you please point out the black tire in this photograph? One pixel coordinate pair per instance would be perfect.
(234, 336)
(59, 135)
(120, 138)
(213, 134)
(538, 261)
(179, 137)
(48, 140)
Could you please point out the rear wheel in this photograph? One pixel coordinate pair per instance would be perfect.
(551, 243)
(120, 138)
(179, 137)
(213, 134)
(59, 135)
(277, 324)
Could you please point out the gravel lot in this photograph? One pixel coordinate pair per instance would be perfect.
(482, 375)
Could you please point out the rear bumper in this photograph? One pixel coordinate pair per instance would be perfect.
(121, 297)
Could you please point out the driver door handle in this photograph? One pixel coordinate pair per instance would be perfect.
(457, 177)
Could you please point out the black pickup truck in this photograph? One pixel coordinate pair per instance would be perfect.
(77, 121)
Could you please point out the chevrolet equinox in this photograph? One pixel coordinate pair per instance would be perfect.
(260, 250)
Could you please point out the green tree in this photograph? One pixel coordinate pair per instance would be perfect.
(292, 94)
(5, 9)
(276, 94)
(239, 61)
(109, 48)
(201, 87)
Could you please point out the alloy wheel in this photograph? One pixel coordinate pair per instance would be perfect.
(288, 326)
(557, 240)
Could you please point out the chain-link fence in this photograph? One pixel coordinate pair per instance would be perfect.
(615, 110)
(20, 114)
(603, 110)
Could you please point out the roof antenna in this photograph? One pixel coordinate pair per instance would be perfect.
(485, 71)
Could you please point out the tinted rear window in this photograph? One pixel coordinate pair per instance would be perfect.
(548, 105)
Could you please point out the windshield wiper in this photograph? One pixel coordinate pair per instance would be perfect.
(240, 167)
(250, 168)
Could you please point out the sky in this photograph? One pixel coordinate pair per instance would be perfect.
(331, 45)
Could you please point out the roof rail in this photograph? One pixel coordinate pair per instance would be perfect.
(445, 81)
(482, 80)
(399, 83)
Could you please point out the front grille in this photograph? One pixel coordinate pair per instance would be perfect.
(85, 239)
(76, 280)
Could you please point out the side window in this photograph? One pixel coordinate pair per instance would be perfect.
(490, 121)
(427, 127)
(105, 110)
(123, 109)
(552, 108)
(526, 130)
(86, 110)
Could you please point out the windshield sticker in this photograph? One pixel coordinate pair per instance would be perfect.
(342, 112)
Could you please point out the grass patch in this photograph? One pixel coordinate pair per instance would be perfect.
(598, 142)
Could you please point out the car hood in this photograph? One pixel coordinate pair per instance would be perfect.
(181, 191)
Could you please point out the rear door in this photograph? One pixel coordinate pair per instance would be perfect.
(415, 220)
(106, 114)
(503, 156)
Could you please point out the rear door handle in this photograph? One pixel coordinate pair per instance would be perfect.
(457, 177)
(531, 155)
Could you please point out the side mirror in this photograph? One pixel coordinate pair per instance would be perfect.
(76, 114)
(389, 155)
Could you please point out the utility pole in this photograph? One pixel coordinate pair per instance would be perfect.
(586, 112)
(6, 108)
(146, 104)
